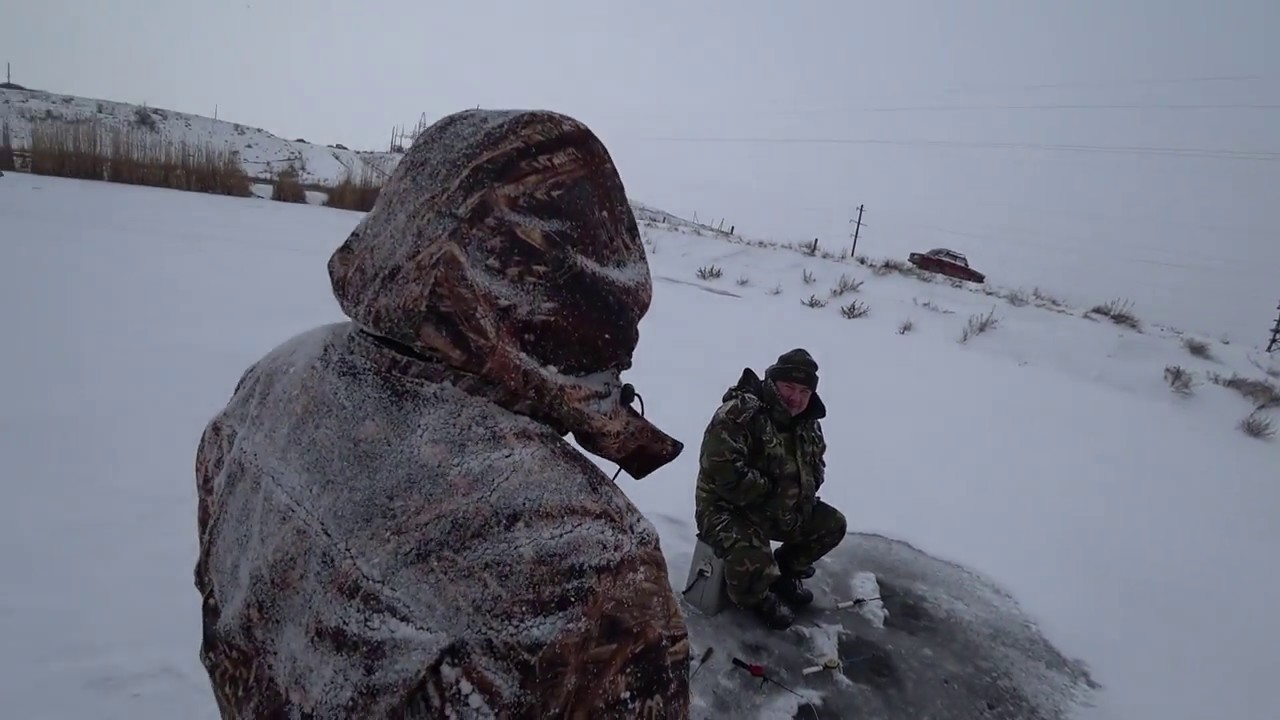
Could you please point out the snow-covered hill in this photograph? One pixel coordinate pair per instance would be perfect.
(1046, 451)
(261, 153)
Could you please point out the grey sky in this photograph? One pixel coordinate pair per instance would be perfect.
(1091, 225)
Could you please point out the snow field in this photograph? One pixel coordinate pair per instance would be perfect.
(1048, 453)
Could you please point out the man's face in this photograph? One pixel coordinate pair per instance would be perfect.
(794, 396)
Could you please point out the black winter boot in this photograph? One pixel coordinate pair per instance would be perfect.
(774, 614)
(791, 590)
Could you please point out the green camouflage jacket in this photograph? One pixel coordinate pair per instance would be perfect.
(758, 461)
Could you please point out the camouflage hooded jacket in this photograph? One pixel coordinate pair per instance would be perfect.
(391, 523)
(758, 461)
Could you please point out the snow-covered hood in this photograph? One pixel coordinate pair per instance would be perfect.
(503, 244)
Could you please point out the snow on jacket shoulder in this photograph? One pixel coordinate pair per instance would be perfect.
(391, 523)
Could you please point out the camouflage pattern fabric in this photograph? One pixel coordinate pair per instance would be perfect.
(759, 474)
(391, 523)
(504, 244)
(751, 566)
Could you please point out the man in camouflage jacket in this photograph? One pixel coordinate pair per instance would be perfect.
(760, 467)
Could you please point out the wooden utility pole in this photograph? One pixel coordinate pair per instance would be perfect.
(853, 253)
(1275, 334)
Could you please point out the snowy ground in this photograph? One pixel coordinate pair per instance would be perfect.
(1136, 526)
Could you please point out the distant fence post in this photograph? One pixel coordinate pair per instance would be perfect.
(1275, 334)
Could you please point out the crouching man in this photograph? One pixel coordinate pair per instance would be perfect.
(761, 465)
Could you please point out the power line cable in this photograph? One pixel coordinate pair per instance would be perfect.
(786, 108)
(1141, 221)
(1055, 106)
(1224, 154)
(1069, 245)
(1214, 259)
(1070, 249)
(1194, 80)
(1075, 214)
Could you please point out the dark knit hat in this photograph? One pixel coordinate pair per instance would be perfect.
(796, 366)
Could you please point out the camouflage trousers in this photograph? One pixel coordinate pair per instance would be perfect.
(751, 565)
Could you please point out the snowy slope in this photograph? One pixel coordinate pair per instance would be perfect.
(262, 153)
(1135, 526)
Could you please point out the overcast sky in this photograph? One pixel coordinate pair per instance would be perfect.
(921, 107)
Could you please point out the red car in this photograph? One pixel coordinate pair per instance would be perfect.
(946, 262)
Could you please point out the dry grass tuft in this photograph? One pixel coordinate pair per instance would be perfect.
(888, 265)
(6, 147)
(355, 193)
(1257, 425)
(979, 324)
(135, 155)
(845, 284)
(932, 306)
(287, 188)
(1260, 392)
(1046, 298)
(1017, 298)
(1120, 313)
(855, 310)
(1198, 348)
